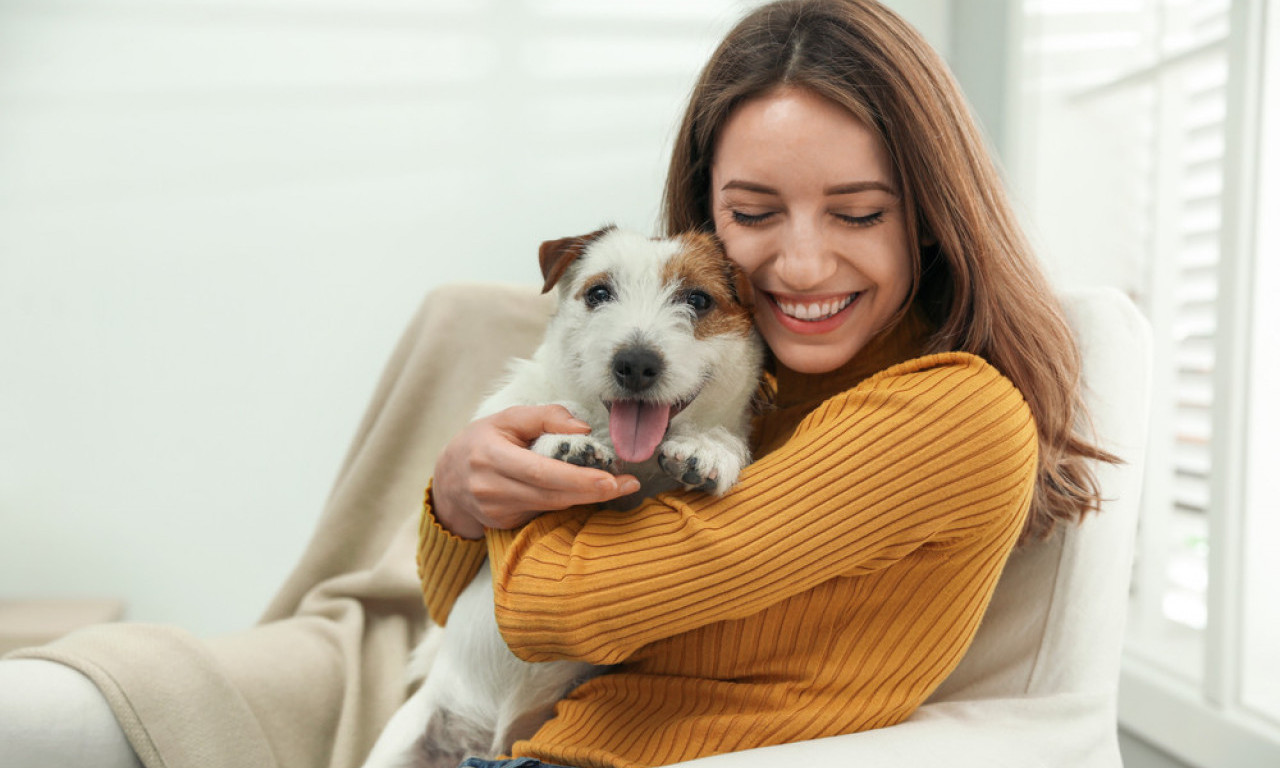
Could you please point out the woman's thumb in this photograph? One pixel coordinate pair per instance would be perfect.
(533, 421)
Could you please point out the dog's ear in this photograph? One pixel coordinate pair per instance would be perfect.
(555, 256)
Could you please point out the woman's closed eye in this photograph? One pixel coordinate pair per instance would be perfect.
(754, 219)
(861, 221)
(751, 219)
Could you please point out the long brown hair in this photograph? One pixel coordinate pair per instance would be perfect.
(977, 279)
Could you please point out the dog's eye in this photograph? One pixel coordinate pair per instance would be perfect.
(699, 300)
(597, 295)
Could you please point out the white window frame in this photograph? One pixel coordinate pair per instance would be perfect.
(1207, 723)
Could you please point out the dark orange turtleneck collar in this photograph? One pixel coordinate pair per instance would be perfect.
(904, 341)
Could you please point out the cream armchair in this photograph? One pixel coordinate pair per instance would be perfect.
(314, 682)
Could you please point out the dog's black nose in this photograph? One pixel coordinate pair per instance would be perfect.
(637, 368)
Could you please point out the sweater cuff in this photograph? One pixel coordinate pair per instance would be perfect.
(446, 562)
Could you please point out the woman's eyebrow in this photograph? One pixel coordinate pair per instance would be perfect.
(859, 186)
(849, 188)
(748, 186)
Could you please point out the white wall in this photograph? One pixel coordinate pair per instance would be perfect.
(215, 218)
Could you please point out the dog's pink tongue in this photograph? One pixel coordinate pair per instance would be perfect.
(636, 428)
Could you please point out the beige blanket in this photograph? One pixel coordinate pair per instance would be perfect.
(314, 682)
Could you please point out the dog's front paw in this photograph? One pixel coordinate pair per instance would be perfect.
(705, 462)
(582, 450)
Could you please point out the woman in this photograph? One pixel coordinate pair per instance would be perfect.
(926, 402)
(924, 421)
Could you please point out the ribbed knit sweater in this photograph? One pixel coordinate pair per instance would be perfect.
(830, 591)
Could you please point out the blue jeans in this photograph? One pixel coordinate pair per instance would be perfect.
(518, 762)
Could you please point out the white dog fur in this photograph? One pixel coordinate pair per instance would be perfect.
(639, 322)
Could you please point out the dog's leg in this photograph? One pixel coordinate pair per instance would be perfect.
(707, 459)
(452, 715)
(421, 735)
(401, 742)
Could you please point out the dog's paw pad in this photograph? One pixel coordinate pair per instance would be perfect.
(581, 450)
(588, 456)
(688, 471)
(691, 475)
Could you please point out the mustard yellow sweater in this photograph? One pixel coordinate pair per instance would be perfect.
(829, 592)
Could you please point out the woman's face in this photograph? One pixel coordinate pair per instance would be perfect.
(804, 198)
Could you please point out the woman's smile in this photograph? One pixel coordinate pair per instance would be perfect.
(812, 314)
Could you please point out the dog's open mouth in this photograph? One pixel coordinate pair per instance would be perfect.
(636, 427)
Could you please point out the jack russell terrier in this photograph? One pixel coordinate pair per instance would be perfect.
(652, 343)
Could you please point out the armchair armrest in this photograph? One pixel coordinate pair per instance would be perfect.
(1058, 731)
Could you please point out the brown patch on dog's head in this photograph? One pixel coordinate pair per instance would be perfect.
(556, 256)
(702, 265)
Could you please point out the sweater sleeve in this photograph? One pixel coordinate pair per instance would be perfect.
(934, 451)
(446, 563)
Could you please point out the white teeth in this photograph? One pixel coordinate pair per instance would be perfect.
(815, 311)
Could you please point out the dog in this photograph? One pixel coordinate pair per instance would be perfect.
(653, 345)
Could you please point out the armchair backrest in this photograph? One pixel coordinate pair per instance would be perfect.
(1056, 621)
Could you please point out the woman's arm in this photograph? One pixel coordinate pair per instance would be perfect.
(929, 452)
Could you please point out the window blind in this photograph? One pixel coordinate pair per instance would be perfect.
(1153, 75)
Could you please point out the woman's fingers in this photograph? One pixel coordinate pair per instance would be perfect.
(514, 502)
(552, 484)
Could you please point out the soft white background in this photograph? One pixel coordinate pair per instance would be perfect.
(217, 216)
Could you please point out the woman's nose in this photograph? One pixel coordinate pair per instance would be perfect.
(805, 261)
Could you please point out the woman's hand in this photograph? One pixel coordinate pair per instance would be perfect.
(487, 477)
